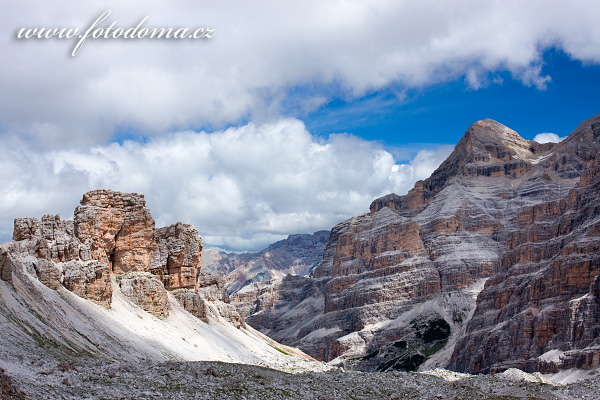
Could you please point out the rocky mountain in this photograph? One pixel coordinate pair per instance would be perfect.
(490, 263)
(113, 233)
(296, 255)
(109, 287)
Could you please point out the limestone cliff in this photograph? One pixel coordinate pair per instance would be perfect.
(113, 235)
(540, 309)
(401, 287)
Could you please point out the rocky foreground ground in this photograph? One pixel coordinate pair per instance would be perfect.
(214, 380)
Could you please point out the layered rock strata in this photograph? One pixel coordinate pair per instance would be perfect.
(119, 228)
(520, 214)
(113, 235)
(540, 309)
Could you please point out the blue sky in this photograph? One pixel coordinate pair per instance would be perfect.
(441, 113)
(292, 118)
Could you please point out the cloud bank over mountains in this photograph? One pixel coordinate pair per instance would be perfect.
(242, 188)
(266, 57)
(132, 115)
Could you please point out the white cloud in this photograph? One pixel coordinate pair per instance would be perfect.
(245, 187)
(263, 50)
(242, 188)
(548, 137)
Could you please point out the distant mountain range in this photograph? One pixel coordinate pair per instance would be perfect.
(296, 255)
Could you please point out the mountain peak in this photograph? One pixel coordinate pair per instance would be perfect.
(488, 148)
(487, 139)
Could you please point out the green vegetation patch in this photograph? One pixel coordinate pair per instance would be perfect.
(432, 330)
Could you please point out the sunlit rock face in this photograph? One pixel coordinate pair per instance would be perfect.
(177, 256)
(520, 214)
(90, 280)
(119, 227)
(113, 235)
(540, 309)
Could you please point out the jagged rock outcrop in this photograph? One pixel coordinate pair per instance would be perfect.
(210, 300)
(119, 227)
(147, 291)
(177, 257)
(113, 234)
(6, 266)
(49, 273)
(211, 287)
(26, 229)
(523, 214)
(88, 279)
(51, 239)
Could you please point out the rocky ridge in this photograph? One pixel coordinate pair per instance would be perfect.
(96, 291)
(114, 234)
(488, 264)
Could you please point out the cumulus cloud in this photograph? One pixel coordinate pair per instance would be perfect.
(242, 188)
(262, 52)
(548, 137)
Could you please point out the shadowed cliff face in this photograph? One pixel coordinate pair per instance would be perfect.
(518, 213)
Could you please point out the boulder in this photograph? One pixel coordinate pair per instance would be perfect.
(145, 290)
(7, 266)
(48, 273)
(90, 280)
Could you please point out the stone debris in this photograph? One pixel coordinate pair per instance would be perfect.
(206, 380)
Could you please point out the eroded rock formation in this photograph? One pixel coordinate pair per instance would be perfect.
(177, 256)
(6, 266)
(88, 279)
(119, 228)
(145, 290)
(113, 236)
(210, 300)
